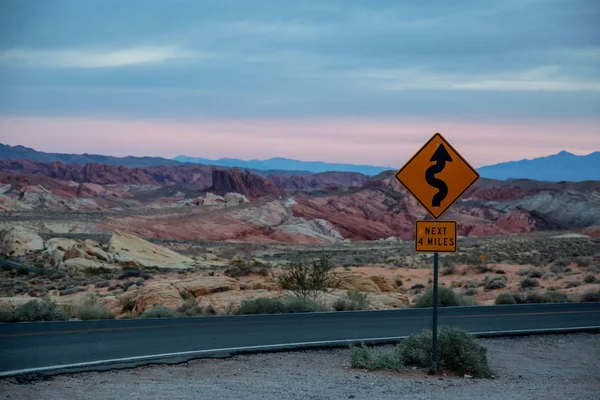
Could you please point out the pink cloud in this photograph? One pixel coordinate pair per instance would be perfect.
(360, 141)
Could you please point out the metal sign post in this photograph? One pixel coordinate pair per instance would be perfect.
(434, 358)
(437, 176)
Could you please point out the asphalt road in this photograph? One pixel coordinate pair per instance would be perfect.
(53, 347)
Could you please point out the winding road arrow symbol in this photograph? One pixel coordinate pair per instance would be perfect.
(441, 157)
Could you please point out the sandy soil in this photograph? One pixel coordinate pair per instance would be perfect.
(537, 367)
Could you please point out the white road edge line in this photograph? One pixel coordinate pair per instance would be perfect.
(270, 347)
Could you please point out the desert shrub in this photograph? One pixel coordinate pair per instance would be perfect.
(6, 315)
(295, 305)
(470, 292)
(126, 303)
(71, 290)
(418, 286)
(22, 271)
(130, 273)
(398, 280)
(352, 301)
(91, 308)
(160, 311)
(307, 280)
(147, 276)
(446, 298)
(261, 306)
(529, 283)
(127, 285)
(531, 273)
(494, 282)
(551, 296)
(363, 357)
(461, 353)
(39, 310)
(457, 351)
(590, 296)
(190, 308)
(50, 286)
(506, 298)
(500, 272)
(210, 310)
(111, 288)
(102, 284)
(448, 271)
(471, 284)
(139, 282)
(572, 284)
(589, 278)
(277, 306)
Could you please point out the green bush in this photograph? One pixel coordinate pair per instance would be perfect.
(126, 303)
(352, 301)
(457, 352)
(363, 357)
(295, 305)
(529, 283)
(307, 280)
(288, 305)
(589, 278)
(446, 298)
(261, 306)
(36, 310)
(506, 298)
(470, 292)
(494, 282)
(590, 296)
(160, 311)
(551, 296)
(91, 308)
(190, 308)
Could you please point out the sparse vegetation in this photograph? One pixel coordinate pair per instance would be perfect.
(190, 308)
(589, 278)
(531, 273)
(35, 310)
(590, 296)
(160, 311)
(506, 298)
(130, 273)
(528, 283)
(277, 306)
(91, 308)
(352, 301)
(307, 280)
(457, 352)
(572, 284)
(446, 298)
(126, 303)
(494, 282)
(448, 271)
(550, 296)
(470, 292)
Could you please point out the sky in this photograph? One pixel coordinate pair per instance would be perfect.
(364, 82)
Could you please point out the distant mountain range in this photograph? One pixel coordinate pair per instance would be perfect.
(563, 166)
(288, 164)
(26, 153)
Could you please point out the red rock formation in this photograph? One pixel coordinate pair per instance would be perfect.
(246, 183)
(324, 180)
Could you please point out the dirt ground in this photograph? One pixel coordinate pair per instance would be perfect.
(556, 367)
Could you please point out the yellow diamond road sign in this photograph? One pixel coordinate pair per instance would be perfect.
(437, 175)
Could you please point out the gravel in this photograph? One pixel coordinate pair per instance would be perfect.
(555, 367)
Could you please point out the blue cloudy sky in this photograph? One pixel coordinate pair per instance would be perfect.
(337, 80)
